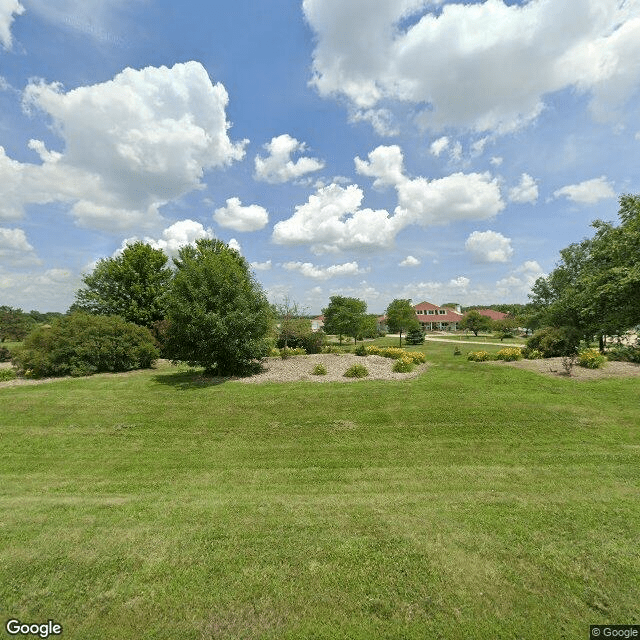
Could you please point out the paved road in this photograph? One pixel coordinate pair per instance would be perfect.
(461, 342)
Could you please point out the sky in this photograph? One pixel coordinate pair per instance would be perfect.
(380, 149)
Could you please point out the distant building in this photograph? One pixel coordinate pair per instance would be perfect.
(431, 318)
(490, 313)
(317, 323)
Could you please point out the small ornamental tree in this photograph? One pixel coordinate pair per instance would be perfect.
(344, 317)
(475, 322)
(218, 315)
(401, 316)
(132, 285)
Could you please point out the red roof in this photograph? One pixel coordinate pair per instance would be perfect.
(490, 313)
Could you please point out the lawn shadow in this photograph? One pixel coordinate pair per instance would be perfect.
(189, 380)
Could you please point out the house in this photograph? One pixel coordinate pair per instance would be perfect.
(494, 315)
(317, 323)
(432, 317)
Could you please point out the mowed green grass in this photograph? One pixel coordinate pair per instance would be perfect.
(475, 501)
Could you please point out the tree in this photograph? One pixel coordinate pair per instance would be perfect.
(475, 321)
(505, 327)
(292, 323)
(14, 324)
(344, 316)
(369, 327)
(596, 287)
(132, 285)
(401, 316)
(218, 315)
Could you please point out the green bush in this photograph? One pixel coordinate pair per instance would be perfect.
(356, 371)
(478, 356)
(300, 336)
(288, 352)
(360, 350)
(7, 374)
(509, 354)
(531, 354)
(457, 352)
(624, 353)
(554, 342)
(319, 370)
(591, 359)
(5, 354)
(403, 365)
(82, 344)
(330, 348)
(415, 336)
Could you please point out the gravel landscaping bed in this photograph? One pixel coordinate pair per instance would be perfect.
(553, 367)
(300, 368)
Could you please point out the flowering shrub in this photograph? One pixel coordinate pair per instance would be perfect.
(330, 348)
(531, 354)
(417, 357)
(509, 354)
(287, 352)
(319, 370)
(7, 374)
(372, 350)
(591, 359)
(478, 356)
(403, 365)
(356, 371)
(274, 353)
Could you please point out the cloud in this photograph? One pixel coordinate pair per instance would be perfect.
(234, 244)
(473, 196)
(8, 10)
(380, 119)
(332, 220)
(235, 216)
(261, 266)
(174, 237)
(131, 145)
(439, 145)
(496, 161)
(520, 281)
(489, 246)
(409, 261)
(526, 191)
(446, 56)
(309, 270)
(51, 290)
(278, 167)
(15, 249)
(587, 192)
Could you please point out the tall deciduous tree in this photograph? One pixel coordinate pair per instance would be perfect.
(344, 316)
(218, 314)
(596, 286)
(132, 285)
(401, 316)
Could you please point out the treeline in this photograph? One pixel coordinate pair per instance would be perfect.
(16, 324)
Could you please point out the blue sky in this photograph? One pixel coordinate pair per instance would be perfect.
(380, 149)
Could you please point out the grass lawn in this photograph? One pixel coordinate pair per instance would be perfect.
(472, 502)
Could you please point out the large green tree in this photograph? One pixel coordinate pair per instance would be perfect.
(15, 324)
(474, 321)
(595, 288)
(218, 315)
(132, 285)
(344, 316)
(401, 316)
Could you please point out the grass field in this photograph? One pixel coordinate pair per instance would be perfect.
(471, 502)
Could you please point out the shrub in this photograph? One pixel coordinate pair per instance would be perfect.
(81, 344)
(5, 354)
(625, 353)
(7, 374)
(553, 342)
(330, 348)
(531, 354)
(415, 336)
(300, 336)
(274, 353)
(356, 371)
(509, 354)
(373, 350)
(457, 352)
(360, 350)
(288, 352)
(417, 357)
(392, 352)
(478, 356)
(591, 359)
(319, 370)
(403, 365)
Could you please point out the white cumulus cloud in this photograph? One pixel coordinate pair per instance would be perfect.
(489, 246)
(324, 273)
(15, 248)
(261, 266)
(278, 166)
(587, 192)
(520, 281)
(409, 261)
(439, 145)
(131, 145)
(466, 61)
(241, 218)
(526, 191)
(9, 9)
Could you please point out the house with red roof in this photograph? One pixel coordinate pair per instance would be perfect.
(494, 315)
(432, 317)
